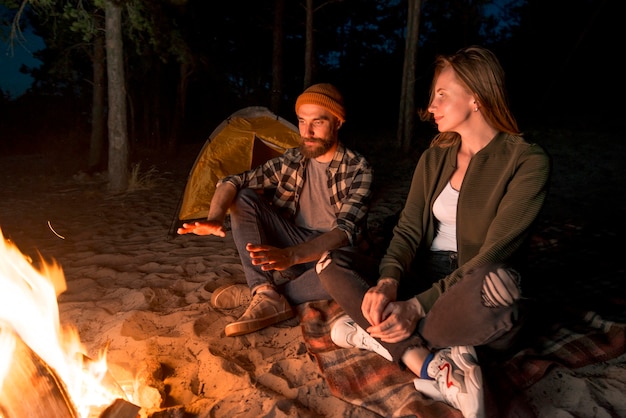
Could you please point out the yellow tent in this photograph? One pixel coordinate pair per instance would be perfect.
(248, 138)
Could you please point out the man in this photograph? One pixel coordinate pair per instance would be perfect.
(321, 191)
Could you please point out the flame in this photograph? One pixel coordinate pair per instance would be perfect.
(28, 305)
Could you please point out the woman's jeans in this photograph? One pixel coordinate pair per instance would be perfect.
(459, 317)
(255, 220)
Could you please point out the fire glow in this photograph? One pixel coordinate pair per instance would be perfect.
(29, 315)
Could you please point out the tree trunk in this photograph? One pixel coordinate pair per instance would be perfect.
(179, 107)
(118, 133)
(308, 48)
(277, 57)
(98, 113)
(406, 122)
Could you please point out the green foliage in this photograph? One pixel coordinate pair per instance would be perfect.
(152, 29)
(80, 20)
(10, 4)
(76, 16)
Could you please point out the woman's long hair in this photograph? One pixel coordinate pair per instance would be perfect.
(481, 73)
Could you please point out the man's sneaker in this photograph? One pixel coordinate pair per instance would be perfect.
(457, 380)
(263, 311)
(348, 334)
(231, 296)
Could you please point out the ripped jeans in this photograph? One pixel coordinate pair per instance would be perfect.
(481, 309)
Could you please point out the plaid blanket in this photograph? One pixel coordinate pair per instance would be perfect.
(365, 379)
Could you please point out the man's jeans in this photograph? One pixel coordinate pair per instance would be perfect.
(459, 317)
(255, 220)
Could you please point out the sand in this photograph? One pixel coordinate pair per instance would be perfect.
(144, 296)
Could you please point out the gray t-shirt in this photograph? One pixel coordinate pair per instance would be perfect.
(314, 211)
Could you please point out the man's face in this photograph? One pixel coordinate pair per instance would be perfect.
(318, 131)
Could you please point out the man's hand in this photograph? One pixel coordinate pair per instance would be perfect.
(271, 258)
(400, 321)
(203, 228)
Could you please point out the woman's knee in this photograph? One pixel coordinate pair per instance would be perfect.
(500, 286)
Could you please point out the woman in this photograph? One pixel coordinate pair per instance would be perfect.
(474, 196)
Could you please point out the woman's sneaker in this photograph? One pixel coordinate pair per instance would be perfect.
(457, 380)
(348, 334)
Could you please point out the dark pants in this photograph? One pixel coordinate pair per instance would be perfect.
(457, 318)
(255, 220)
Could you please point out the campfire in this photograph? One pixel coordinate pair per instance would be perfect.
(44, 369)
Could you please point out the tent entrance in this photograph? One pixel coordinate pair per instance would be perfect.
(246, 139)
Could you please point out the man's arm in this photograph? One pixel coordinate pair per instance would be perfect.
(220, 202)
(312, 250)
(272, 258)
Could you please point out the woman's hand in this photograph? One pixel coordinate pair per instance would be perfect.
(400, 321)
(377, 298)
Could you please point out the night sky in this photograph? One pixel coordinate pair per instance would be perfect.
(11, 59)
(13, 56)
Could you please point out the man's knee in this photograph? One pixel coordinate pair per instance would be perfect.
(245, 195)
(323, 262)
(340, 257)
(244, 200)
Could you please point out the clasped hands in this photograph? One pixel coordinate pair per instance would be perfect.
(392, 321)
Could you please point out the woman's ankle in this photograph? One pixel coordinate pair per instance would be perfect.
(416, 359)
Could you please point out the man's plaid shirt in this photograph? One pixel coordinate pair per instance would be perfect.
(349, 179)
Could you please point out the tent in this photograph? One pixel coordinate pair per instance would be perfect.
(246, 139)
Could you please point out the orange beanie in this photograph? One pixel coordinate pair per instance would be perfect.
(326, 96)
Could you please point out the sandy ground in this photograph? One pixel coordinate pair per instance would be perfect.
(144, 295)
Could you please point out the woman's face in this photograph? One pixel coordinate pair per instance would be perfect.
(452, 104)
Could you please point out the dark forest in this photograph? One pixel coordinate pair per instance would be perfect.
(555, 54)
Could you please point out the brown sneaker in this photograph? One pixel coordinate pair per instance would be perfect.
(231, 296)
(262, 312)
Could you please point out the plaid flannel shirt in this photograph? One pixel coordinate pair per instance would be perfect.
(349, 179)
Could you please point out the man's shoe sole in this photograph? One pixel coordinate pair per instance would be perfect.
(251, 325)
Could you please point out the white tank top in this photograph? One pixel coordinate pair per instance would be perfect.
(444, 210)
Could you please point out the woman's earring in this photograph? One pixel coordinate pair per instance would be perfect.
(476, 109)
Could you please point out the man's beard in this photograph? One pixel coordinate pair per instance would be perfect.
(314, 151)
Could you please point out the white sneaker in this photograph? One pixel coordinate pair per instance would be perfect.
(458, 380)
(348, 334)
